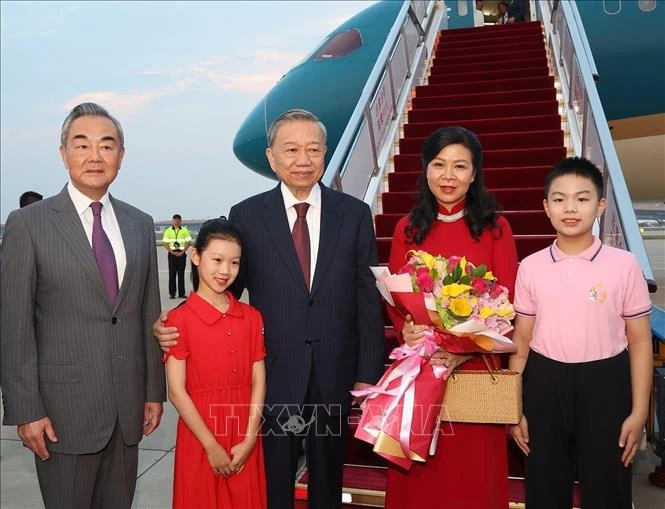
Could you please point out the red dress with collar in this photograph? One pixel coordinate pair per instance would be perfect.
(470, 468)
(220, 350)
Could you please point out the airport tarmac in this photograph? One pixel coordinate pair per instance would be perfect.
(18, 481)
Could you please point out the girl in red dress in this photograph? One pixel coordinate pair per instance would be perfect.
(216, 381)
(454, 215)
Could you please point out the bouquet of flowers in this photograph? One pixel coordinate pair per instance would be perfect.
(468, 312)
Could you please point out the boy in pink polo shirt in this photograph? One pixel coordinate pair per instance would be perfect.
(583, 325)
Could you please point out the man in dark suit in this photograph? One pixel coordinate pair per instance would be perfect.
(82, 377)
(306, 255)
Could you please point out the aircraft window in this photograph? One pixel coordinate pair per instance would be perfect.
(647, 5)
(340, 45)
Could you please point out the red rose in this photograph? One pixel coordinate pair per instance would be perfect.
(479, 286)
(407, 269)
(496, 291)
(453, 262)
(424, 280)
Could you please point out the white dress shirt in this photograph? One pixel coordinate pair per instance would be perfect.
(313, 219)
(109, 224)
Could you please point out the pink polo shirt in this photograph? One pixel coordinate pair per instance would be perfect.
(581, 302)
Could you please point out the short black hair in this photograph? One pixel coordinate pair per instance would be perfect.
(28, 198)
(576, 166)
(176, 216)
(504, 3)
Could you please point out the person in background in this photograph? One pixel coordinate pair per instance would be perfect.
(478, 15)
(454, 216)
(515, 11)
(81, 376)
(307, 252)
(584, 348)
(176, 241)
(503, 13)
(28, 198)
(216, 381)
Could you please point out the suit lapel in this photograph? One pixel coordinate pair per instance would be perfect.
(277, 224)
(68, 223)
(131, 243)
(331, 222)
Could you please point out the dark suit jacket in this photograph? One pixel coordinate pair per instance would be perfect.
(516, 10)
(339, 323)
(66, 353)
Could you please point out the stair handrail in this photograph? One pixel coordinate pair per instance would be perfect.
(362, 147)
(590, 133)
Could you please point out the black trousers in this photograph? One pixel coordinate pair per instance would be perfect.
(574, 413)
(177, 266)
(103, 480)
(324, 435)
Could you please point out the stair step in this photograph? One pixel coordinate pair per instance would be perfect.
(490, 31)
(488, 125)
(487, 86)
(487, 66)
(545, 156)
(444, 56)
(529, 244)
(522, 222)
(512, 198)
(497, 141)
(480, 45)
(432, 98)
(527, 72)
(528, 176)
(526, 109)
(526, 245)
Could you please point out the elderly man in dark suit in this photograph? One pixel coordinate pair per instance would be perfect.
(306, 255)
(81, 375)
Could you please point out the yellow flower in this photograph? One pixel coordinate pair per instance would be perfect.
(486, 312)
(507, 312)
(462, 264)
(460, 307)
(455, 289)
(489, 275)
(427, 258)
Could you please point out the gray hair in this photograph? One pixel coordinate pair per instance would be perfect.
(290, 116)
(89, 110)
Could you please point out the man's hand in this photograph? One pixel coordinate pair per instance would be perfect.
(165, 335)
(152, 415)
(359, 386)
(32, 435)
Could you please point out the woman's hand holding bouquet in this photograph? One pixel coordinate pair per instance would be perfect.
(459, 309)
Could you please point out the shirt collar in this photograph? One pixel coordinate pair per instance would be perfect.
(314, 198)
(589, 253)
(82, 202)
(208, 313)
(444, 211)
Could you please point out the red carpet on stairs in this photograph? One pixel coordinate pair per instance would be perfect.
(494, 81)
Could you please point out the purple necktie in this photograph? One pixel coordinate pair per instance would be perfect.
(101, 246)
(300, 235)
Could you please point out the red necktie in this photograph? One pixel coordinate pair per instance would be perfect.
(101, 247)
(300, 235)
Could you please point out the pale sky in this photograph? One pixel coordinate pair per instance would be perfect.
(180, 76)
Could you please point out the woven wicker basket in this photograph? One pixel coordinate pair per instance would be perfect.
(483, 397)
